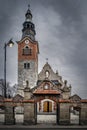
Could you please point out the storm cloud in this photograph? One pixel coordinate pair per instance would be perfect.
(61, 30)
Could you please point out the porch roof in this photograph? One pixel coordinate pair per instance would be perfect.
(54, 92)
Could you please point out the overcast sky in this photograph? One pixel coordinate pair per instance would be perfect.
(61, 30)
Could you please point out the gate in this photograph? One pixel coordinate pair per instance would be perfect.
(46, 112)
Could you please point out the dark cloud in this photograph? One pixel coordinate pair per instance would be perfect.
(61, 27)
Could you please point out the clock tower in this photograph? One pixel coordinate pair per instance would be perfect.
(27, 55)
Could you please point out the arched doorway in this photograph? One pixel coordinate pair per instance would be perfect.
(46, 111)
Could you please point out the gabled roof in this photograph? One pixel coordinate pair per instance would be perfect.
(75, 97)
(44, 81)
(34, 42)
(54, 92)
(40, 88)
(17, 98)
(52, 75)
(55, 82)
(23, 39)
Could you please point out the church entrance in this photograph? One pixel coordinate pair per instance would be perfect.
(46, 111)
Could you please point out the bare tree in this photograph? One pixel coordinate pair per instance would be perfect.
(10, 90)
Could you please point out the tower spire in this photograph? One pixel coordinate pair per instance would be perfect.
(28, 26)
(29, 6)
(28, 14)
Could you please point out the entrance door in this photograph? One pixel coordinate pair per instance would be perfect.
(47, 106)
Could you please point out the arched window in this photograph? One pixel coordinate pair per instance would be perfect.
(27, 25)
(26, 65)
(47, 74)
(27, 51)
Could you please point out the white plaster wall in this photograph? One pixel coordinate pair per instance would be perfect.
(46, 118)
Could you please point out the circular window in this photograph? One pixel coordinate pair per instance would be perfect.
(46, 86)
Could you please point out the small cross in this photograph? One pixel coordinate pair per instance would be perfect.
(47, 60)
(28, 6)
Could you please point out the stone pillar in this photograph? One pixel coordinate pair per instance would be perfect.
(64, 116)
(29, 113)
(27, 93)
(83, 114)
(9, 113)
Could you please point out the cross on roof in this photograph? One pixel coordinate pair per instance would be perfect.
(28, 6)
(47, 60)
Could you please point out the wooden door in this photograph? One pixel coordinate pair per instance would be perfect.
(50, 106)
(47, 106)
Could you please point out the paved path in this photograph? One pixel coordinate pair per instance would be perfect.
(41, 126)
(20, 120)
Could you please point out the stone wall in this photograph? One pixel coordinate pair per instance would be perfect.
(66, 95)
(64, 117)
(46, 119)
(83, 117)
(9, 113)
(24, 75)
(30, 113)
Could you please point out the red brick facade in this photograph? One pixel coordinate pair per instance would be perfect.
(33, 45)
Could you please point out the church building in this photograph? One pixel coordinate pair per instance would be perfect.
(47, 82)
(28, 50)
(45, 93)
(41, 97)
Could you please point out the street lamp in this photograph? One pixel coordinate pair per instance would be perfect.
(10, 44)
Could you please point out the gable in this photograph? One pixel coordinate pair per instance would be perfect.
(27, 49)
(48, 73)
(17, 98)
(46, 87)
(75, 97)
(27, 38)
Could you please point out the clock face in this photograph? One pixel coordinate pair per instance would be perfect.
(26, 41)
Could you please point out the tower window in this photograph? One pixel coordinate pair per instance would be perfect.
(28, 25)
(27, 51)
(26, 65)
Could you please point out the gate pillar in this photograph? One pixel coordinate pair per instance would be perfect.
(9, 112)
(64, 116)
(29, 112)
(83, 112)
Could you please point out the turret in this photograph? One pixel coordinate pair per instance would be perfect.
(28, 26)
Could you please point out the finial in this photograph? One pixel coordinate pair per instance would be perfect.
(28, 6)
(65, 82)
(57, 72)
(46, 60)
